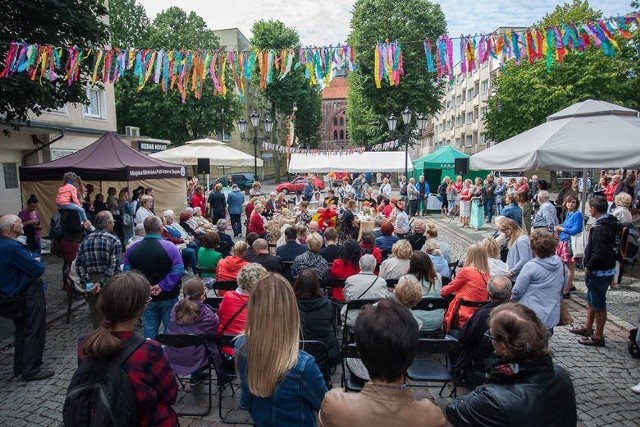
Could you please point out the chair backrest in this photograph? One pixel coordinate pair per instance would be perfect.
(225, 285)
(337, 283)
(391, 283)
(181, 340)
(437, 345)
(474, 304)
(385, 254)
(357, 304)
(213, 302)
(430, 304)
(227, 340)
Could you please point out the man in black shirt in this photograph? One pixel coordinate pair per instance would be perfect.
(270, 262)
(331, 251)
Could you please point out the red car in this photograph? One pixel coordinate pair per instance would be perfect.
(298, 184)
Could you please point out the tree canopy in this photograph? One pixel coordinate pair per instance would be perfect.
(281, 94)
(56, 22)
(409, 22)
(164, 115)
(526, 94)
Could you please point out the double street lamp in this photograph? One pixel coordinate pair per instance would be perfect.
(392, 122)
(255, 122)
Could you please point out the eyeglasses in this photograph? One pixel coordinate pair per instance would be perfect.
(487, 334)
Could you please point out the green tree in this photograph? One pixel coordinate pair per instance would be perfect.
(281, 94)
(526, 94)
(408, 22)
(57, 22)
(164, 115)
(128, 24)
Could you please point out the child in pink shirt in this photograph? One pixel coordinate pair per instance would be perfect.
(67, 197)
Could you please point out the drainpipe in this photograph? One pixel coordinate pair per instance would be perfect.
(30, 153)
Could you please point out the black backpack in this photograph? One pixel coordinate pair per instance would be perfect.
(101, 394)
(628, 243)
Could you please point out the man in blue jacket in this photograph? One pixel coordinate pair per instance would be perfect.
(22, 300)
(235, 200)
(423, 193)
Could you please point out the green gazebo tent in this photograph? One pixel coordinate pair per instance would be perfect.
(435, 166)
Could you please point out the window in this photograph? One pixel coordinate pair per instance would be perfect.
(449, 104)
(470, 94)
(483, 112)
(94, 108)
(10, 171)
(459, 120)
(224, 136)
(457, 142)
(484, 86)
(458, 99)
(450, 123)
(335, 135)
(469, 117)
(341, 134)
(464, 97)
(341, 121)
(483, 139)
(468, 140)
(335, 121)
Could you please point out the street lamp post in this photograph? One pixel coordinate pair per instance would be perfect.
(255, 122)
(392, 122)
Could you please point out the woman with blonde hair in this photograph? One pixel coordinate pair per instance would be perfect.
(280, 384)
(311, 259)
(496, 266)
(256, 221)
(228, 268)
(432, 234)
(517, 243)
(470, 284)
(465, 203)
(397, 264)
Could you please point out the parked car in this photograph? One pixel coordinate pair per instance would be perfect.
(244, 180)
(298, 183)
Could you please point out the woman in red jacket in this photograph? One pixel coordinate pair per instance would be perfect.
(346, 265)
(256, 221)
(470, 283)
(197, 200)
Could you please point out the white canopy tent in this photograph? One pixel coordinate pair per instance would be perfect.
(218, 153)
(587, 135)
(369, 161)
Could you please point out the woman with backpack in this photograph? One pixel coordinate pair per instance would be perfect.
(122, 301)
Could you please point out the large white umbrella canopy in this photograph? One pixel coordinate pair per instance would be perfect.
(218, 153)
(587, 135)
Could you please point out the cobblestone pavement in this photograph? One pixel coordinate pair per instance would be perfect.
(601, 376)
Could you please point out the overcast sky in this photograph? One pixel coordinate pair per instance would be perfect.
(326, 22)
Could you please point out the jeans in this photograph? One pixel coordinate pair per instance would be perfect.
(488, 209)
(413, 207)
(190, 259)
(236, 224)
(74, 207)
(423, 199)
(155, 312)
(499, 207)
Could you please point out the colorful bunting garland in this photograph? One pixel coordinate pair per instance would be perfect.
(268, 146)
(186, 70)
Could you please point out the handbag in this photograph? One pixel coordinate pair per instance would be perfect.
(578, 244)
(565, 316)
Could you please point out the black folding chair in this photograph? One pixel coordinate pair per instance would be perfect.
(337, 304)
(392, 283)
(227, 376)
(213, 302)
(189, 340)
(348, 380)
(224, 285)
(353, 305)
(432, 304)
(452, 267)
(432, 370)
(320, 353)
(287, 270)
(455, 320)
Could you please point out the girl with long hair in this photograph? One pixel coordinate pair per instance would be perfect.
(280, 384)
(572, 225)
(517, 243)
(470, 283)
(192, 316)
(122, 300)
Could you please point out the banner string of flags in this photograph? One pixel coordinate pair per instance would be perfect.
(268, 146)
(187, 70)
(386, 146)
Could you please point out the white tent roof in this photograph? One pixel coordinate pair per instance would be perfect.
(587, 135)
(369, 161)
(218, 153)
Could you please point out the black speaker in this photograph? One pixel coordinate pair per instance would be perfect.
(203, 166)
(461, 166)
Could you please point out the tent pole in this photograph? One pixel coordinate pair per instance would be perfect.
(584, 190)
(207, 182)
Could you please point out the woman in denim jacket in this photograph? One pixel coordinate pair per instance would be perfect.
(281, 385)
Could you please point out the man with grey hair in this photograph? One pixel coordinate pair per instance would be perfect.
(98, 260)
(364, 285)
(226, 242)
(262, 256)
(22, 300)
(474, 346)
(546, 217)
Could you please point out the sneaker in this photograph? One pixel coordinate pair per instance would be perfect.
(42, 374)
(636, 389)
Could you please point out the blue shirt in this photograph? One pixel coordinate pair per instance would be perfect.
(294, 402)
(235, 199)
(514, 212)
(18, 265)
(572, 225)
